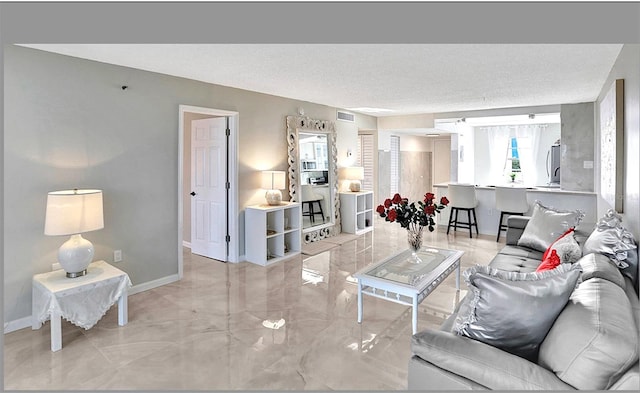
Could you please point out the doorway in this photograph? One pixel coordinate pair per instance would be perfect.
(230, 204)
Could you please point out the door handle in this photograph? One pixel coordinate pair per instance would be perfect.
(193, 193)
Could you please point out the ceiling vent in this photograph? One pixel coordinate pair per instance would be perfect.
(346, 116)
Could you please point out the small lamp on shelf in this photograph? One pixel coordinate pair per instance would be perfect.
(352, 174)
(73, 212)
(273, 182)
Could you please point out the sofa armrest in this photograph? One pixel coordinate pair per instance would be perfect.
(481, 363)
(425, 376)
(629, 380)
(515, 227)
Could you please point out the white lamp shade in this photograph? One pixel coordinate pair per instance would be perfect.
(273, 180)
(352, 173)
(71, 212)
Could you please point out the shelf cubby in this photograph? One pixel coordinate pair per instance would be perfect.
(356, 212)
(272, 233)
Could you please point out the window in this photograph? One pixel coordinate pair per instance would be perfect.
(519, 160)
(513, 156)
(365, 159)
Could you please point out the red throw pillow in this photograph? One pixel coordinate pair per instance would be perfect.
(550, 262)
(548, 251)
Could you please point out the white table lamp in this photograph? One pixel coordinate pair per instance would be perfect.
(273, 182)
(353, 174)
(72, 212)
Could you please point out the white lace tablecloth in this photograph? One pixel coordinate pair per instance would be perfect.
(82, 300)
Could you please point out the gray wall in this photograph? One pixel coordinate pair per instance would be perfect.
(415, 174)
(384, 176)
(69, 124)
(577, 146)
(626, 67)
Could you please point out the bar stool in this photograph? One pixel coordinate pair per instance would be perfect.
(309, 198)
(462, 197)
(510, 201)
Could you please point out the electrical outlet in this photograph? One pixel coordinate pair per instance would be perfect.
(117, 255)
(55, 266)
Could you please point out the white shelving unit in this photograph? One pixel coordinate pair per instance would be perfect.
(356, 211)
(272, 233)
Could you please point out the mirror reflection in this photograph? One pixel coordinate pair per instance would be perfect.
(313, 177)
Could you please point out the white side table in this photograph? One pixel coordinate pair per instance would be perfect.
(356, 212)
(81, 300)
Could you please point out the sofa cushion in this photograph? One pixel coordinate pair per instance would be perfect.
(599, 266)
(517, 259)
(595, 339)
(521, 252)
(518, 264)
(546, 225)
(481, 363)
(514, 311)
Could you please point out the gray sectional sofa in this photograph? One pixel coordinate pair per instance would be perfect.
(592, 345)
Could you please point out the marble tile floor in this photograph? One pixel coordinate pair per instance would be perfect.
(288, 326)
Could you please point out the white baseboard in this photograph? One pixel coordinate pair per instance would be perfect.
(186, 244)
(18, 324)
(153, 284)
(25, 322)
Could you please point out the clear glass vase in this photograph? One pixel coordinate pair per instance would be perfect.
(414, 239)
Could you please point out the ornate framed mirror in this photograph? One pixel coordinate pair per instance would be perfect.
(313, 175)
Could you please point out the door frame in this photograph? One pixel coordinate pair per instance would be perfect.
(232, 159)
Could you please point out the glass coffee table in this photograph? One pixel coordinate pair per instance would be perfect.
(402, 280)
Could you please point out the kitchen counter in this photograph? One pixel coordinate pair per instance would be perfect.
(488, 216)
(553, 189)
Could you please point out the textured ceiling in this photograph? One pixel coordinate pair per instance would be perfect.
(405, 79)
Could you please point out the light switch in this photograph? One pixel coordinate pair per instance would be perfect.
(588, 164)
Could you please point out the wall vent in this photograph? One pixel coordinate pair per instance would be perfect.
(346, 116)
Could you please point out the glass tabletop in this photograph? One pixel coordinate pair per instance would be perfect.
(405, 269)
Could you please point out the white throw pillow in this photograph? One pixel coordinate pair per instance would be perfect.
(568, 249)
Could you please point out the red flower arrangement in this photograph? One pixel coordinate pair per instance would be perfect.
(414, 215)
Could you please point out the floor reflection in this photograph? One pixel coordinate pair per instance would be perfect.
(288, 326)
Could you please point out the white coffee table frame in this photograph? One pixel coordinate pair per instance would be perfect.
(407, 294)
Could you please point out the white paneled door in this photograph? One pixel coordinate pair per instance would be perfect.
(208, 188)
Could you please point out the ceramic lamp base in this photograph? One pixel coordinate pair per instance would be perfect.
(78, 274)
(354, 186)
(273, 197)
(75, 255)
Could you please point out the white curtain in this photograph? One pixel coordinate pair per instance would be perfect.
(528, 137)
(499, 137)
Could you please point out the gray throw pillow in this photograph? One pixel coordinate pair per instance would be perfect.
(514, 311)
(546, 225)
(614, 242)
(611, 239)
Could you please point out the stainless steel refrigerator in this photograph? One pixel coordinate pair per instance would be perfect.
(553, 165)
